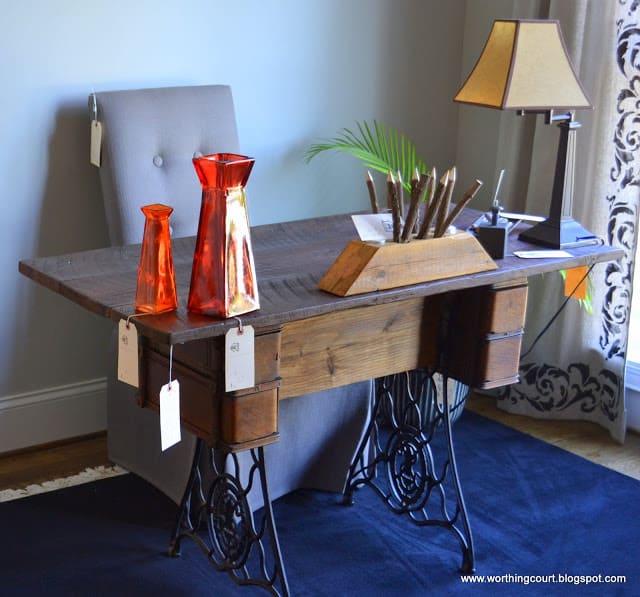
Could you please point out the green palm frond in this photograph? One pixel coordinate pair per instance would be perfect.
(378, 147)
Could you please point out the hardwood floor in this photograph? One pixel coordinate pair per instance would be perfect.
(63, 459)
(580, 437)
(52, 461)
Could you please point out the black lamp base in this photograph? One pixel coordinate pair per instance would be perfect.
(560, 230)
(565, 233)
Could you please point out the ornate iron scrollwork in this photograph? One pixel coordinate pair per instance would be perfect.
(230, 520)
(215, 513)
(396, 459)
(406, 468)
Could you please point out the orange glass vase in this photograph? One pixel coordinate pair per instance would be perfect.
(156, 288)
(223, 276)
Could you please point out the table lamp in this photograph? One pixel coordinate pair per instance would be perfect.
(525, 67)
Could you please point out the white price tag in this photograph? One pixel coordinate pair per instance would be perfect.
(96, 143)
(542, 254)
(239, 362)
(170, 414)
(128, 353)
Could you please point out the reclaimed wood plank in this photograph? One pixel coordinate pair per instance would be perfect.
(291, 258)
(331, 350)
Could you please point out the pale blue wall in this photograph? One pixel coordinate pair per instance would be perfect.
(300, 69)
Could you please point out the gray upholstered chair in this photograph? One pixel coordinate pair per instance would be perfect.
(149, 139)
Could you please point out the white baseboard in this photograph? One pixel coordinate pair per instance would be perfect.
(52, 414)
(632, 396)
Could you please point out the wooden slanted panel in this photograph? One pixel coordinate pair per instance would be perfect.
(367, 267)
(348, 268)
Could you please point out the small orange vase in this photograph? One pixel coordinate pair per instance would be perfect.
(156, 289)
(223, 276)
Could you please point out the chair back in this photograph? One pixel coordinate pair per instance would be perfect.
(149, 139)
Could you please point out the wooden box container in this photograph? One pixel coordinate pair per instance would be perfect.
(368, 266)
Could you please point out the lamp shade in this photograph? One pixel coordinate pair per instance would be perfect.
(524, 66)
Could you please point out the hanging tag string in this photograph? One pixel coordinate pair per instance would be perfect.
(138, 315)
(240, 328)
(170, 363)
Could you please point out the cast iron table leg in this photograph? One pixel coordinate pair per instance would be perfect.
(402, 468)
(215, 514)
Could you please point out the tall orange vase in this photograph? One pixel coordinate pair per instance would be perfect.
(156, 288)
(223, 276)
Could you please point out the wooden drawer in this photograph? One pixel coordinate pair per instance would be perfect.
(503, 309)
(251, 416)
(199, 410)
(486, 326)
(235, 420)
(498, 362)
(208, 355)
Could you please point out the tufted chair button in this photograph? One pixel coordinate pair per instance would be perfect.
(158, 161)
(197, 154)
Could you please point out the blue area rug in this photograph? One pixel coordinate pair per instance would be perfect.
(535, 510)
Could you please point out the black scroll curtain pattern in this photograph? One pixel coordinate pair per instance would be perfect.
(625, 174)
(592, 388)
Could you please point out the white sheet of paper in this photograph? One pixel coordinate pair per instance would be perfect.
(524, 217)
(543, 254)
(239, 361)
(128, 353)
(170, 414)
(376, 227)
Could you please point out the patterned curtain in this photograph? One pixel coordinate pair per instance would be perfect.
(576, 370)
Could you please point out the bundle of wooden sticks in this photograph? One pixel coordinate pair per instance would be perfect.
(436, 217)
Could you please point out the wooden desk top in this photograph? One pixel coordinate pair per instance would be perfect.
(290, 259)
